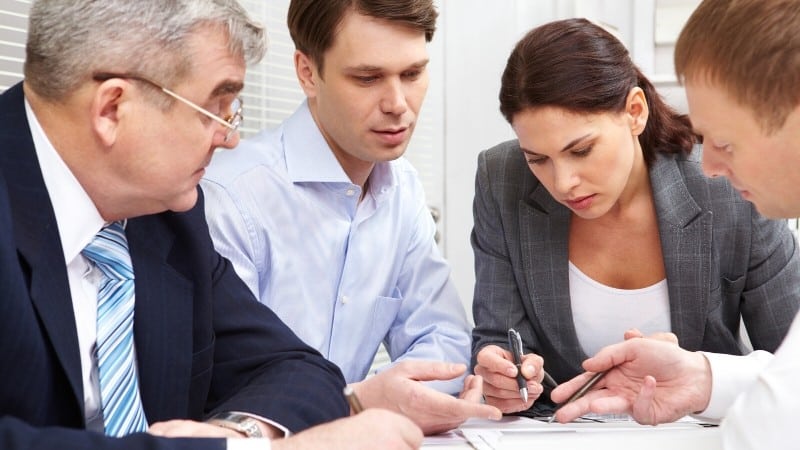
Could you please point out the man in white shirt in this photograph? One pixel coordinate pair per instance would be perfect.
(739, 61)
(328, 224)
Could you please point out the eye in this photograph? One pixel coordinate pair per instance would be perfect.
(717, 146)
(412, 74)
(580, 153)
(366, 79)
(536, 160)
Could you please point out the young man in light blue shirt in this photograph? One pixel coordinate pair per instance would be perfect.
(329, 226)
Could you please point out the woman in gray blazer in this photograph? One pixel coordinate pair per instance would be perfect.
(598, 220)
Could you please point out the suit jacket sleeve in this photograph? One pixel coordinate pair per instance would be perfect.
(497, 304)
(770, 289)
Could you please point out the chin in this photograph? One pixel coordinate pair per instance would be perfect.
(185, 202)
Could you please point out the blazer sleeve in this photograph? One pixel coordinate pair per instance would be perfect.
(18, 435)
(771, 291)
(497, 303)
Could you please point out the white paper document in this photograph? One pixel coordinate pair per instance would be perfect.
(593, 432)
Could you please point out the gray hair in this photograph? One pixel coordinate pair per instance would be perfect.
(70, 40)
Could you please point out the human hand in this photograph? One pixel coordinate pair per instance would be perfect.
(666, 337)
(372, 428)
(190, 428)
(653, 380)
(399, 388)
(499, 373)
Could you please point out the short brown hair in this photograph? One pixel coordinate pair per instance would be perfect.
(313, 23)
(578, 66)
(751, 48)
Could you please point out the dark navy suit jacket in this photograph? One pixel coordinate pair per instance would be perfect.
(203, 343)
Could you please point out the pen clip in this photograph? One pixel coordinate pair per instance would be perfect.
(515, 342)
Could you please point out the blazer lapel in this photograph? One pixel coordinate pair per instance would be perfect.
(163, 321)
(544, 241)
(686, 233)
(37, 238)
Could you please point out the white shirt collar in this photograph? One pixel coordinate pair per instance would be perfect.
(76, 215)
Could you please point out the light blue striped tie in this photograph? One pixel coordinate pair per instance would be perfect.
(119, 385)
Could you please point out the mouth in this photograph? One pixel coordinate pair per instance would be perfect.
(580, 202)
(392, 136)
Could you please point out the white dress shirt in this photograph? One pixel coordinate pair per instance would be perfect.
(344, 275)
(759, 396)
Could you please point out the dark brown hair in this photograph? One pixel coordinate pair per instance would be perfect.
(751, 48)
(313, 23)
(577, 65)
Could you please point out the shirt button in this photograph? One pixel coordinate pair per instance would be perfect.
(345, 299)
(351, 192)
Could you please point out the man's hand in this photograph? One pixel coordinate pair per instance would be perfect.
(652, 379)
(499, 373)
(400, 389)
(371, 429)
(190, 428)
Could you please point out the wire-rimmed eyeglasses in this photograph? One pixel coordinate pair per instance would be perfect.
(232, 122)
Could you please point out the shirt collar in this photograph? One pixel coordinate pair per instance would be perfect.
(76, 215)
(310, 159)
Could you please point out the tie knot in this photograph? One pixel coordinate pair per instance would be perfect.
(109, 252)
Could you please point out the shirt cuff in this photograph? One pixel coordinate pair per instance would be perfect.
(248, 444)
(730, 376)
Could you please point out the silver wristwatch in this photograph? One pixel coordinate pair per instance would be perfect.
(237, 422)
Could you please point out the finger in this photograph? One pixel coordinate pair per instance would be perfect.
(495, 359)
(666, 337)
(423, 370)
(644, 403)
(532, 367)
(633, 333)
(473, 389)
(567, 388)
(459, 408)
(616, 354)
(497, 380)
(490, 390)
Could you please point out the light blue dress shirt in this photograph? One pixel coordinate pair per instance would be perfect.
(343, 275)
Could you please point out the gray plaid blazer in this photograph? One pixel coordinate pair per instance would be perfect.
(723, 261)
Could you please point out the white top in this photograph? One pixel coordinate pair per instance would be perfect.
(602, 313)
(764, 392)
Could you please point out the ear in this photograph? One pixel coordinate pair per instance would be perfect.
(106, 109)
(637, 110)
(307, 73)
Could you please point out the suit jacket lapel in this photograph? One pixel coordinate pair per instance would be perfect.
(163, 321)
(37, 238)
(544, 238)
(686, 233)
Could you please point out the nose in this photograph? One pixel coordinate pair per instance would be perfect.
(713, 164)
(565, 178)
(219, 140)
(394, 98)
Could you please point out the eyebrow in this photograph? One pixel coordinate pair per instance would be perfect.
(569, 145)
(369, 68)
(227, 87)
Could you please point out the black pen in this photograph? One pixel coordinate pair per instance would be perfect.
(352, 399)
(515, 344)
(580, 392)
